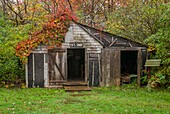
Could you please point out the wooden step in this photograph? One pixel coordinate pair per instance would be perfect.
(76, 88)
(75, 84)
(57, 81)
(56, 86)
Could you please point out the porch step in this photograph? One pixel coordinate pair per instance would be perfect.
(56, 86)
(76, 88)
(75, 84)
(57, 83)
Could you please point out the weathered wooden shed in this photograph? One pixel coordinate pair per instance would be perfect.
(87, 55)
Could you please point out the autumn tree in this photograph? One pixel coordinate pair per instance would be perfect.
(30, 23)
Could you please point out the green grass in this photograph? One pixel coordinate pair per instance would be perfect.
(112, 100)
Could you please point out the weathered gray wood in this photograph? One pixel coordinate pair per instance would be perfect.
(40, 49)
(86, 66)
(57, 64)
(46, 76)
(106, 67)
(94, 72)
(33, 66)
(117, 66)
(112, 67)
(139, 67)
(26, 74)
(82, 36)
(113, 42)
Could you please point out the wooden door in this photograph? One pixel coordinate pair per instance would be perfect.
(57, 65)
(94, 70)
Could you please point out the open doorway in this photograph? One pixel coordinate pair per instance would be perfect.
(76, 64)
(128, 66)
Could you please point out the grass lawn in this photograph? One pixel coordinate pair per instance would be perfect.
(124, 100)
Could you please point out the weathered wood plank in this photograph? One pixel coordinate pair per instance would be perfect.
(106, 67)
(117, 66)
(139, 67)
(112, 67)
(57, 65)
(94, 73)
(46, 76)
(86, 66)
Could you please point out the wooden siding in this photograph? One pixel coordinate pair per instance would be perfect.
(110, 67)
(77, 34)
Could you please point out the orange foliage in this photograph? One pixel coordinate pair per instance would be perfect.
(51, 35)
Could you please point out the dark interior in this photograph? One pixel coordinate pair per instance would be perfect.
(76, 64)
(128, 62)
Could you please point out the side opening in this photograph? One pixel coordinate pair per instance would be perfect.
(128, 66)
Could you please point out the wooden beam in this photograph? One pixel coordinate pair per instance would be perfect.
(96, 34)
(113, 42)
(107, 40)
(130, 44)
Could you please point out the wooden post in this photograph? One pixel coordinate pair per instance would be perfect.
(26, 74)
(139, 65)
(46, 76)
(33, 72)
(149, 72)
(86, 66)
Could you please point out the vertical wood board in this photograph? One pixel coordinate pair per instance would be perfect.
(106, 67)
(116, 66)
(94, 73)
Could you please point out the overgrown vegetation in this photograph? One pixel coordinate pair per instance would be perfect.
(148, 23)
(11, 69)
(126, 100)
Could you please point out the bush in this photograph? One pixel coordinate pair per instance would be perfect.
(11, 69)
(158, 80)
